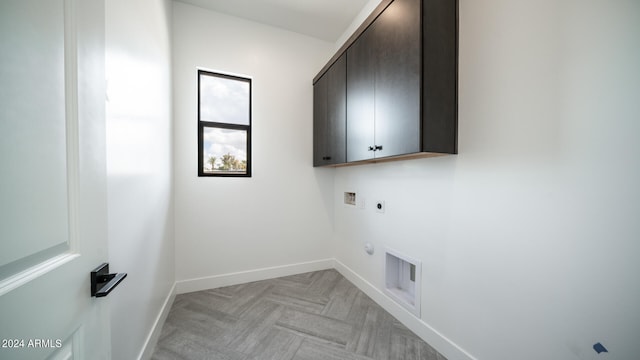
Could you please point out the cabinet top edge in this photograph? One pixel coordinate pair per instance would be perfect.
(365, 24)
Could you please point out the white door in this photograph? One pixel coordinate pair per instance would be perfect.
(52, 175)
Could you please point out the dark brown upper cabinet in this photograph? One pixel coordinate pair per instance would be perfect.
(401, 83)
(329, 115)
(383, 80)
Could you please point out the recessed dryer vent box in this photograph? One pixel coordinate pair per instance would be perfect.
(402, 280)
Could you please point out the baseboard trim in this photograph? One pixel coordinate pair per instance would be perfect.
(438, 341)
(152, 339)
(212, 282)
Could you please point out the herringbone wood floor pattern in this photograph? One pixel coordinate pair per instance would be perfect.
(316, 315)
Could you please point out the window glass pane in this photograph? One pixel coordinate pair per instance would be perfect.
(224, 100)
(224, 151)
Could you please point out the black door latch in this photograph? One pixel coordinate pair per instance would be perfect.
(102, 282)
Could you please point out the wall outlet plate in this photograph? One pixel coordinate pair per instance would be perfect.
(380, 207)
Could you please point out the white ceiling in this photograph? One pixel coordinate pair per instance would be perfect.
(323, 19)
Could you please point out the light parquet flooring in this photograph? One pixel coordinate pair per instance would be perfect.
(311, 316)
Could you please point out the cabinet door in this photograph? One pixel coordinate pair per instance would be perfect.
(397, 79)
(360, 98)
(320, 137)
(329, 104)
(337, 111)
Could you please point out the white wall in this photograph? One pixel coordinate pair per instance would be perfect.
(139, 167)
(529, 237)
(283, 214)
(367, 9)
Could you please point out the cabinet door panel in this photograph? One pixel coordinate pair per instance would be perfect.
(360, 98)
(337, 112)
(320, 120)
(329, 115)
(440, 73)
(397, 79)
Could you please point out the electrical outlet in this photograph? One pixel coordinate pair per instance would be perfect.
(380, 206)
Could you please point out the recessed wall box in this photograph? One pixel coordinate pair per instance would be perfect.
(350, 198)
(402, 280)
